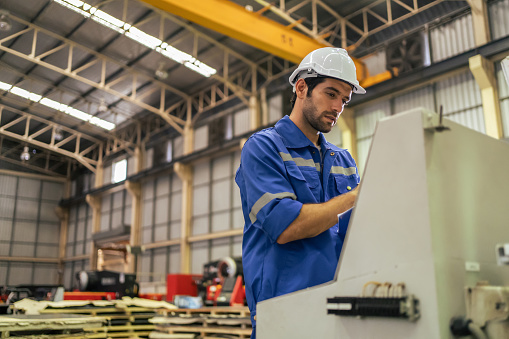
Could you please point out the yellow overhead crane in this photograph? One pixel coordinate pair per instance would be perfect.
(252, 28)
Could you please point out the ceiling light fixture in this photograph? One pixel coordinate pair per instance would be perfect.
(57, 106)
(25, 155)
(161, 72)
(102, 106)
(5, 22)
(138, 35)
(58, 133)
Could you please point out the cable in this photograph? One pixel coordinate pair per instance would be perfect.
(376, 283)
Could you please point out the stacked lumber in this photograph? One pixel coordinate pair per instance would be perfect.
(49, 326)
(212, 322)
(126, 318)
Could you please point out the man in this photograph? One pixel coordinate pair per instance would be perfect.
(293, 184)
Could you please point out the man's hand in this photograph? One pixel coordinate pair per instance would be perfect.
(317, 218)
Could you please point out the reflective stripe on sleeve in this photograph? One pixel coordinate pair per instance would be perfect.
(343, 170)
(265, 199)
(301, 162)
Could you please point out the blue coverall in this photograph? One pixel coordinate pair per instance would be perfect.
(281, 170)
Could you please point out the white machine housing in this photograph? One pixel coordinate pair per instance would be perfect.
(432, 207)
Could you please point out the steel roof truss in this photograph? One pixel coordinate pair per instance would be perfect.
(100, 79)
(83, 155)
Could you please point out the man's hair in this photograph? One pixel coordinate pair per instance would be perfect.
(311, 83)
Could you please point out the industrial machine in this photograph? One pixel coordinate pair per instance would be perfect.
(123, 284)
(427, 248)
(222, 282)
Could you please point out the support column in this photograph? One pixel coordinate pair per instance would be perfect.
(484, 74)
(255, 118)
(63, 215)
(185, 174)
(346, 123)
(264, 106)
(95, 203)
(480, 21)
(134, 189)
(188, 138)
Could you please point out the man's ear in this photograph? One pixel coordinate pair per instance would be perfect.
(301, 88)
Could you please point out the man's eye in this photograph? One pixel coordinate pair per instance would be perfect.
(332, 95)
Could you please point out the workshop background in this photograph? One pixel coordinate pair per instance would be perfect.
(122, 121)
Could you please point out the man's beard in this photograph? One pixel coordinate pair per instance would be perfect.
(310, 113)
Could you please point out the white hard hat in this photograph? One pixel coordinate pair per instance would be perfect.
(331, 62)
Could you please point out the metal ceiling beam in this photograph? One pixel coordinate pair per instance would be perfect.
(53, 91)
(99, 65)
(87, 153)
(11, 155)
(235, 21)
(360, 23)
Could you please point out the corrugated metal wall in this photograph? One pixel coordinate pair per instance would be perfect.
(275, 108)
(460, 97)
(70, 270)
(499, 19)
(365, 122)
(115, 210)
(452, 38)
(422, 97)
(29, 227)
(216, 208)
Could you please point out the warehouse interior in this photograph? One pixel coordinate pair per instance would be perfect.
(122, 121)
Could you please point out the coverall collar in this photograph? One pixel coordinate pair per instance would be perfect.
(293, 137)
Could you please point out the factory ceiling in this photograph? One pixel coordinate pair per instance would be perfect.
(81, 81)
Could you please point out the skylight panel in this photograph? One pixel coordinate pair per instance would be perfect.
(56, 106)
(138, 35)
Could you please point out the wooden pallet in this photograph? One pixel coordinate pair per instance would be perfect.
(130, 322)
(233, 310)
(232, 322)
(205, 331)
(49, 326)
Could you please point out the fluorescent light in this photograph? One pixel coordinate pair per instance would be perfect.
(26, 94)
(138, 35)
(4, 86)
(56, 106)
(102, 123)
(50, 103)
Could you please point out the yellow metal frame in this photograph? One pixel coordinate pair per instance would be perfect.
(252, 28)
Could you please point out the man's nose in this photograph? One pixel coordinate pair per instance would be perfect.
(338, 108)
